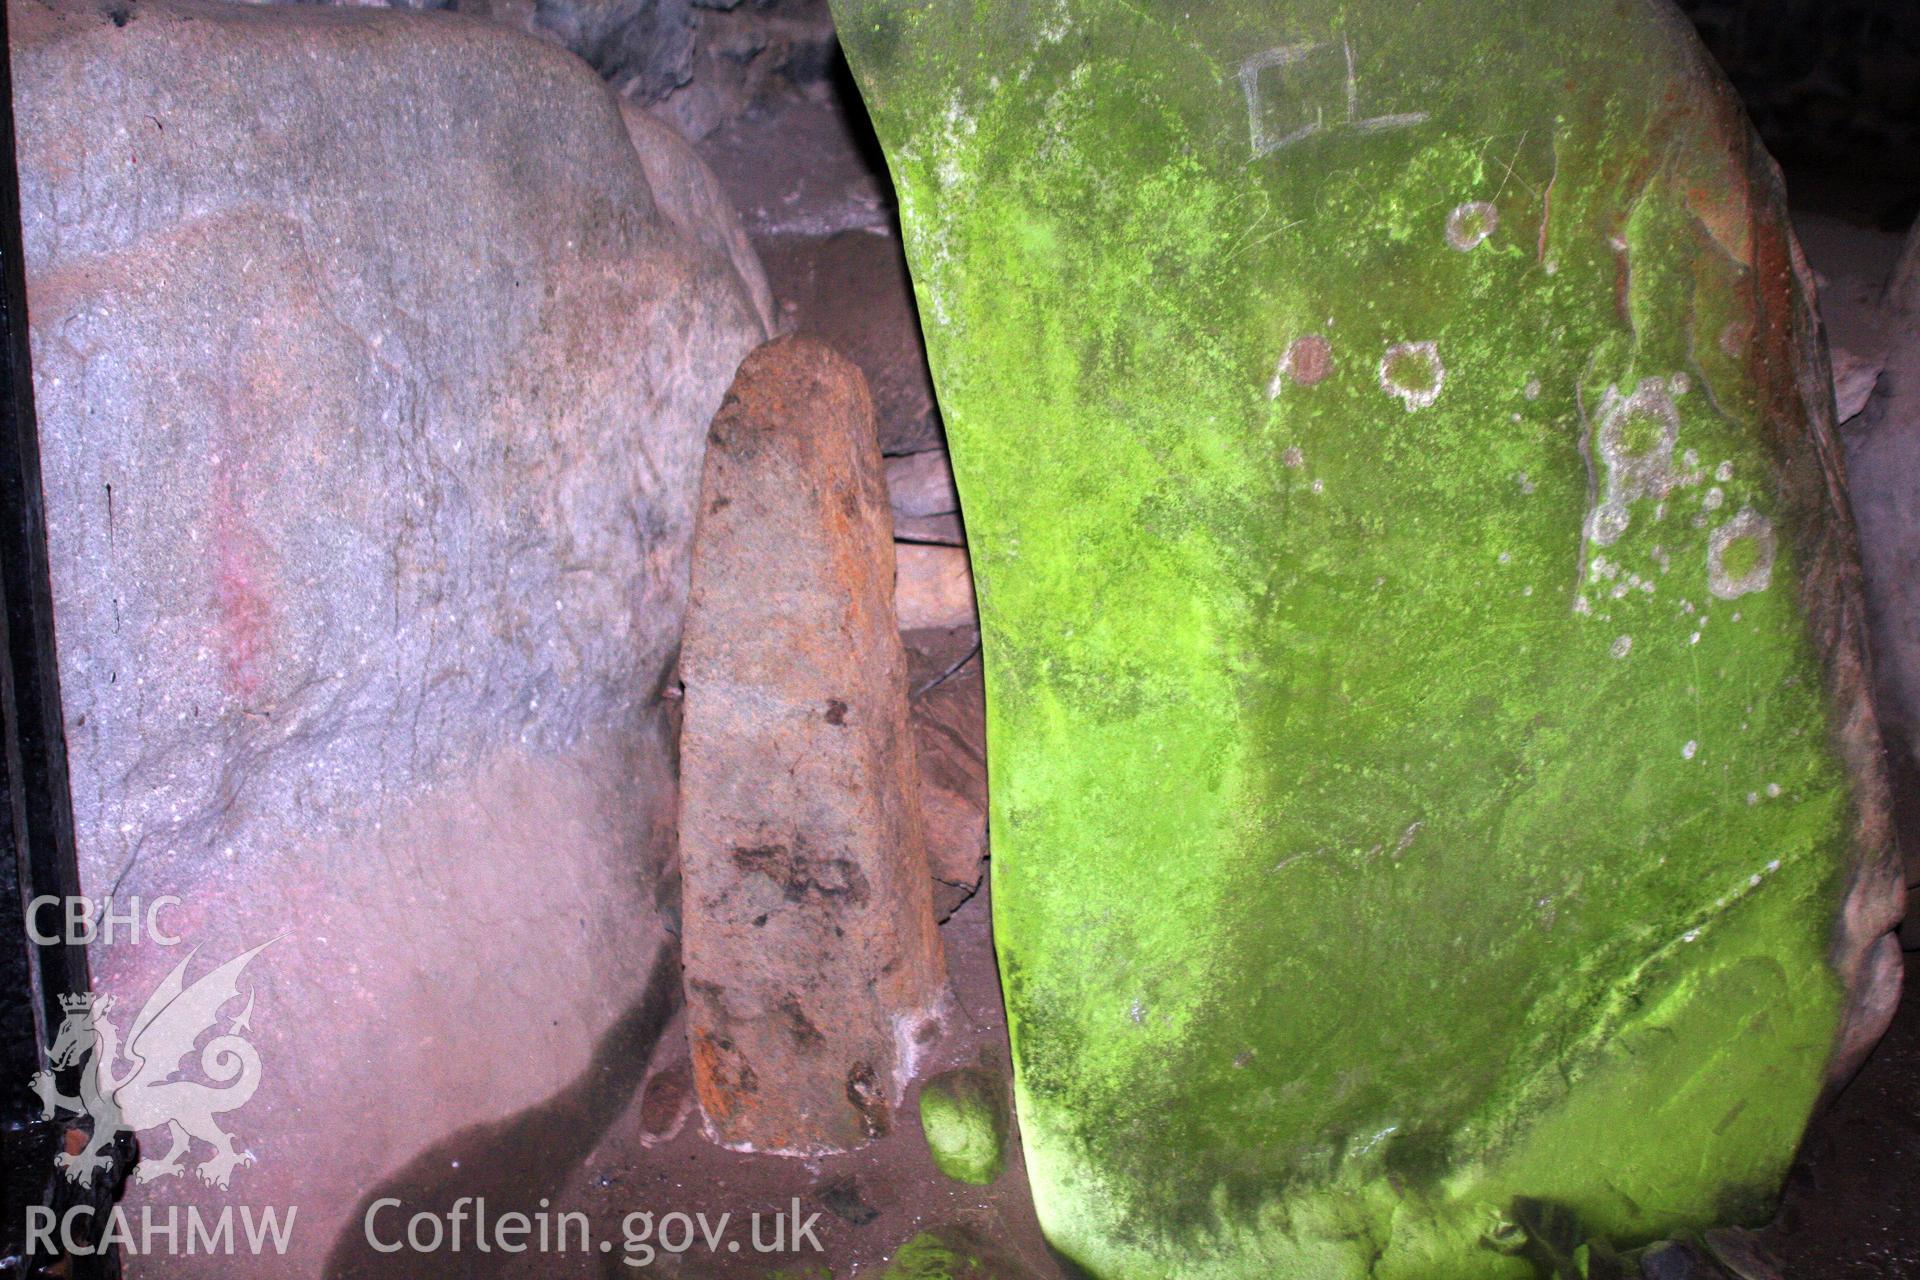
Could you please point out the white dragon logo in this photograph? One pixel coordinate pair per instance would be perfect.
(144, 1095)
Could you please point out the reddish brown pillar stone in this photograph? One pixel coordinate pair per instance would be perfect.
(812, 959)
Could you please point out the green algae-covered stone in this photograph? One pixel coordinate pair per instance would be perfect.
(1431, 772)
(963, 1114)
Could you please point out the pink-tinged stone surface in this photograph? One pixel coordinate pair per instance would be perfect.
(370, 445)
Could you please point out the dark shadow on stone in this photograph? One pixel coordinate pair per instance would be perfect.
(860, 124)
(515, 1162)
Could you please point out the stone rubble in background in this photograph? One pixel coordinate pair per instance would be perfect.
(949, 731)
(1871, 305)
(699, 63)
(934, 587)
(850, 290)
(926, 507)
(813, 964)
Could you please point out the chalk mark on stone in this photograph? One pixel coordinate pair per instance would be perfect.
(1289, 55)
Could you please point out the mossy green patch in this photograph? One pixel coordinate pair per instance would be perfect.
(1740, 556)
(1405, 803)
(949, 1253)
(963, 1114)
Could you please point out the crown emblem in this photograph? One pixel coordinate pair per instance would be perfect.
(79, 1002)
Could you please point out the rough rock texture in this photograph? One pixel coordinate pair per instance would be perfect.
(835, 285)
(949, 720)
(934, 586)
(921, 484)
(1883, 450)
(812, 960)
(702, 63)
(1432, 769)
(748, 57)
(926, 507)
(646, 49)
(370, 456)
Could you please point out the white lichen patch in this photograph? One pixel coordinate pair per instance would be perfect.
(1635, 441)
(1469, 225)
(1058, 25)
(1413, 372)
(1740, 555)
(1532, 390)
(1689, 750)
(1622, 647)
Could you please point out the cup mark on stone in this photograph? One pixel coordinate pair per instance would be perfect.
(1307, 363)
(1470, 224)
(1740, 555)
(1413, 372)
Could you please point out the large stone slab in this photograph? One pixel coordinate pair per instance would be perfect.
(1432, 773)
(812, 960)
(370, 444)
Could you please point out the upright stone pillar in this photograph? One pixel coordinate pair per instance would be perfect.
(812, 959)
(1432, 772)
